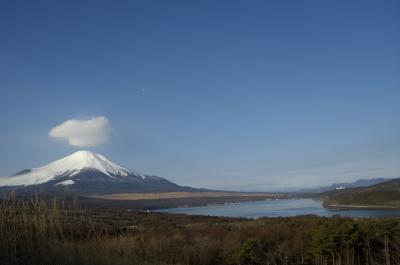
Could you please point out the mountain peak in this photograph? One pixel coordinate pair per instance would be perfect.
(85, 156)
(69, 166)
(86, 159)
(83, 153)
(85, 172)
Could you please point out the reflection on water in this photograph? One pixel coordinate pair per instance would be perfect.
(275, 208)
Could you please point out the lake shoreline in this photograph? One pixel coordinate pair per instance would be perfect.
(344, 206)
(289, 207)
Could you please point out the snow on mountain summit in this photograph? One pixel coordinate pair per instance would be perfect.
(68, 166)
(86, 159)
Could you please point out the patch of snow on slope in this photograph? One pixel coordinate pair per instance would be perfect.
(66, 182)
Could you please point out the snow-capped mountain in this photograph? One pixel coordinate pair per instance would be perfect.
(88, 172)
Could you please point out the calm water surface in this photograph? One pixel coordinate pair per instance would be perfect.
(275, 208)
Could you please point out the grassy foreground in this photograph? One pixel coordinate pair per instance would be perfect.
(47, 232)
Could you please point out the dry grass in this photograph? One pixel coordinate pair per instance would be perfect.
(39, 232)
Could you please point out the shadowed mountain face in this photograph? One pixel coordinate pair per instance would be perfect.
(85, 172)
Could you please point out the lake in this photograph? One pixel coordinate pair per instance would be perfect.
(275, 208)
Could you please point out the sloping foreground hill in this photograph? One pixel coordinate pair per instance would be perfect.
(385, 194)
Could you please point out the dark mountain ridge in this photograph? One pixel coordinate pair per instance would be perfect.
(386, 194)
(345, 185)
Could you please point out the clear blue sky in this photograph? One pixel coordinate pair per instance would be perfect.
(254, 95)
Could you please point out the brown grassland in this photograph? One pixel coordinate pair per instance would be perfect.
(40, 232)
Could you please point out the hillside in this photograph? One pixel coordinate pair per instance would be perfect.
(385, 194)
(345, 185)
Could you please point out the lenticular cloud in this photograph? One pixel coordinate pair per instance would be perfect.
(83, 133)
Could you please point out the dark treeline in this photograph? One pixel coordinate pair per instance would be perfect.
(40, 232)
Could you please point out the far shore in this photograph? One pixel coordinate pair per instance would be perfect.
(362, 206)
(180, 195)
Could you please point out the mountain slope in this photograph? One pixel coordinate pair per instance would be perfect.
(345, 185)
(86, 172)
(385, 194)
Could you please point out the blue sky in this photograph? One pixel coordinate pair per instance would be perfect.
(253, 95)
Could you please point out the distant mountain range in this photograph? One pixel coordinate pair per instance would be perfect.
(386, 194)
(346, 185)
(85, 172)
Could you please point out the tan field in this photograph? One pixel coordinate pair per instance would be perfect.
(176, 195)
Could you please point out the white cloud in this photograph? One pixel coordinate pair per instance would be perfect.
(83, 133)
